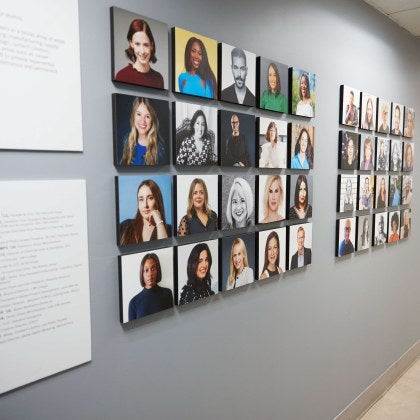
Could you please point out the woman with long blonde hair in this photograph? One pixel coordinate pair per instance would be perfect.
(240, 271)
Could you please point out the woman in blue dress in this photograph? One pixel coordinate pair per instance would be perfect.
(303, 151)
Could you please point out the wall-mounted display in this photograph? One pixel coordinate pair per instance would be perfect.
(303, 93)
(300, 197)
(300, 245)
(195, 64)
(380, 222)
(348, 150)
(367, 152)
(346, 234)
(302, 146)
(405, 223)
(195, 141)
(237, 75)
(144, 208)
(273, 85)
(237, 139)
(407, 189)
(139, 49)
(381, 191)
(368, 112)
(347, 193)
(272, 194)
(409, 120)
(397, 119)
(395, 157)
(394, 190)
(141, 131)
(272, 253)
(146, 283)
(383, 118)
(408, 156)
(272, 143)
(382, 154)
(394, 226)
(350, 106)
(364, 232)
(366, 192)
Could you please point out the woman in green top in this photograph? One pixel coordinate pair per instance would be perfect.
(272, 98)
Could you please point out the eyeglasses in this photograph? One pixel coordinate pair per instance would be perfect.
(347, 229)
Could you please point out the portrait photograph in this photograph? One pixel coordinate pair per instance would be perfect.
(194, 64)
(238, 261)
(197, 203)
(196, 271)
(408, 156)
(139, 45)
(346, 236)
(349, 150)
(272, 143)
(146, 283)
(300, 197)
(350, 106)
(395, 156)
(368, 112)
(407, 189)
(366, 192)
(237, 139)
(272, 253)
(302, 100)
(397, 119)
(383, 119)
(195, 135)
(302, 146)
(273, 88)
(144, 208)
(405, 222)
(300, 245)
(272, 197)
(347, 193)
(409, 120)
(364, 232)
(382, 154)
(380, 221)
(237, 75)
(393, 226)
(367, 152)
(395, 182)
(381, 191)
(141, 131)
(238, 201)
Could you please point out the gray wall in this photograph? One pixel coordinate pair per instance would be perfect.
(297, 348)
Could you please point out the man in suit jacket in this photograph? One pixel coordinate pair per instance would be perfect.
(302, 256)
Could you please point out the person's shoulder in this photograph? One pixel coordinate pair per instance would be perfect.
(124, 72)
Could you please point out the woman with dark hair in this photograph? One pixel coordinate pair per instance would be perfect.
(272, 98)
(368, 123)
(149, 223)
(408, 157)
(198, 272)
(240, 271)
(395, 161)
(367, 163)
(141, 52)
(365, 235)
(198, 79)
(349, 156)
(152, 298)
(240, 205)
(271, 257)
(303, 151)
(394, 235)
(270, 152)
(304, 107)
(302, 209)
(382, 199)
(382, 160)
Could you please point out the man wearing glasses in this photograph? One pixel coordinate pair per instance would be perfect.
(346, 246)
(236, 153)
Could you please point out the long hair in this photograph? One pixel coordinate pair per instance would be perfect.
(308, 92)
(266, 262)
(300, 179)
(249, 200)
(268, 182)
(277, 90)
(267, 133)
(233, 273)
(192, 265)
(154, 257)
(140, 25)
(190, 207)
(152, 135)
(368, 143)
(366, 123)
(309, 150)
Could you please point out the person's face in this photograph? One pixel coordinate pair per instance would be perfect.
(142, 119)
(365, 226)
(234, 122)
(303, 142)
(300, 240)
(369, 110)
(274, 196)
(203, 265)
(347, 230)
(199, 196)
(196, 56)
(272, 78)
(381, 148)
(366, 185)
(147, 202)
(272, 133)
(382, 185)
(149, 273)
(409, 156)
(368, 152)
(302, 193)
(273, 251)
(395, 155)
(381, 224)
(348, 188)
(350, 150)
(409, 121)
(394, 226)
(384, 116)
(199, 127)
(238, 258)
(142, 47)
(239, 70)
(351, 99)
(303, 87)
(239, 210)
(397, 118)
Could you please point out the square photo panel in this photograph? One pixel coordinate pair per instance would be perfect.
(300, 245)
(349, 150)
(394, 190)
(271, 253)
(347, 193)
(144, 208)
(197, 271)
(237, 75)
(367, 152)
(302, 146)
(139, 46)
(350, 106)
(397, 119)
(395, 156)
(195, 135)
(146, 283)
(272, 143)
(405, 229)
(273, 85)
(272, 197)
(197, 203)
(394, 226)
(381, 191)
(381, 224)
(409, 120)
(408, 156)
(364, 232)
(238, 198)
(382, 154)
(237, 139)
(195, 64)
(302, 100)
(141, 131)
(346, 234)
(368, 112)
(238, 261)
(407, 189)
(366, 192)
(383, 119)
(300, 197)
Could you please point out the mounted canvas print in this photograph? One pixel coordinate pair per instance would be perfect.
(368, 112)
(405, 230)
(366, 191)
(394, 190)
(302, 145)
(197, 271)
(195, 64)
(395, 157)
(273, 92)
(380, 223)
(197, 202)
(349, 150)
(272, 197)
(144, 208)
(382, 154)
(238, 261)
(237, 139)
(407, 189)
(347, 193)
(383, 119)
(364, 232)
(141, 131)
(409, 120)
(195, 142)
(272, 253)
(300, 244)
(146, 283)
(408, 156)
(367, 152)
(346, 234)
(300, 197)
(350, 106)
(381, 192)
(272, 143)
(237, 75)
(140, 54)
(397, 119)
(394, 226)
(302, 99)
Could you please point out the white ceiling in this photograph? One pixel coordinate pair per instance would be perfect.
(404, 12)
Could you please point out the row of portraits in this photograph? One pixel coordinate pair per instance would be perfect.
(145, 204)
(361, 232)
(357, 151)
(202, 67)
(150, 284)
(368, 112)
(202, 135)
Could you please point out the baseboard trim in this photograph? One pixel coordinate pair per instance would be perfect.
(374, 391)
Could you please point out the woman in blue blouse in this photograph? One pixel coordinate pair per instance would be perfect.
(303, 151)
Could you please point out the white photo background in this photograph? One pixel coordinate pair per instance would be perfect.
(280, 161)
(262, 180)
(262, 240)
(293, 229)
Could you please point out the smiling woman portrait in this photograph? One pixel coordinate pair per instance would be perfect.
(239, 205)
(240, 272)
(273, 198)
